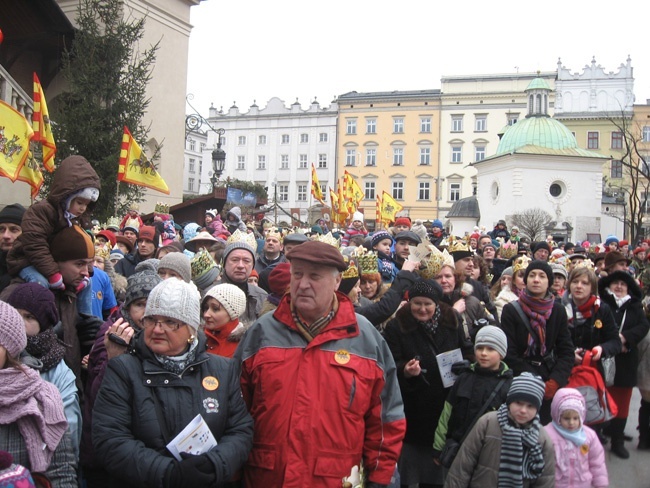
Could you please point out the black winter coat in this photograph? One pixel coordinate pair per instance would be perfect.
(557, 340)
(126, 428)
(381, 310)
(588, 335)
(423, 395)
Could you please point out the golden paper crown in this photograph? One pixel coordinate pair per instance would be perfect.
(201, 263)
(274, 232)
(239, 236)
(521, 263)
(455, 245)
(352, 271)
(103, 252)
(112, 223)
(161, 208)
(134, 206)
(508, 249)
(435, 262)
(587, 263)
(328, 239)
(368, 263)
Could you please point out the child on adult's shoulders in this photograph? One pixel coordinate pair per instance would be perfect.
(381, 243)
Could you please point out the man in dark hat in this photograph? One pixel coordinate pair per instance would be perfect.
(11, 218)
(314, 338)
(402, 242)
(147, 243)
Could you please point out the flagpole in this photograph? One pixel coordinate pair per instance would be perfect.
(117, 198)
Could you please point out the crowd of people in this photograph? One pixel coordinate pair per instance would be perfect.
(233, 353)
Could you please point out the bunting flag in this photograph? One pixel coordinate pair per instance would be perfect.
(42, 126)
(389, 207)
(135, 168)
(378, 212)
(15, 134)
(316, 190)
(31, 174)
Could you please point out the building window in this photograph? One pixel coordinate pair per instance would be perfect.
(261, 162)
(351, 157)
(200, 168)
(512, 118)
(302, 193)
(616, 169)
(424, 192)
(617, 140)
(202, 146)
(284, 161)
(425, 156)
(302, 164)
(479, 153)
(398, 156)
(457, 154)
(304, 138)
(481, 123)
(323, 188)
(351, 126)
(322, 160)
(371, 126)
(646, 133)
(398, 125)
(454, 192)
(398, 190)
(192, 145)
(457, 123)
(371, 157)
(592, 140)
(322, 137)
(369, 190)
(241, 162)
(241, 140)
(190, 184)
(192, 161)
(425, 124)
(285, 138)
(283, 193)
(261, 140)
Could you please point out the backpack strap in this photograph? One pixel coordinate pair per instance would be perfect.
(526, 322)
(484, 407)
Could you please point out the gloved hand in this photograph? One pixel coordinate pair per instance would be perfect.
(84, 283)
(195, 471)
(56, 282)
(550, 390)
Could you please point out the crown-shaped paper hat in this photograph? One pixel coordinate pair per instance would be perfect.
(367, 263)
(587, 263)
(508, 249)
(521, 263)
(274, 232)
(201, 263)
(435, 262)
(454, 244)
(161, 208)
(113, 223)
(328, 239)
(352, 271)
(239, 236)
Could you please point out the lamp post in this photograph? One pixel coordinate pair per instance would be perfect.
(218, 159)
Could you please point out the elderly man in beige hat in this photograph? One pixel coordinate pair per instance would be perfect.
(320, 383)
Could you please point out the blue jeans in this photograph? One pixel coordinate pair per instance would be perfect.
(84, 298)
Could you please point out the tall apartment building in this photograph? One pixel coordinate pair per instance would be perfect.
(275, 146)
(388, 141)
(195, 180)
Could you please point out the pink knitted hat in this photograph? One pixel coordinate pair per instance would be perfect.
(12, 330)
(568, 399)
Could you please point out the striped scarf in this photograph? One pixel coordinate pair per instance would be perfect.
(538, 311)
(309, 331)
(521, 454)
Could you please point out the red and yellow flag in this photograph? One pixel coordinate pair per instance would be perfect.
(389, 207)
(354, 191)
(135, 167)
(42, 126)
(31, 174)
(316, 190)
(15, 134)
(378, 212)
(343, 201)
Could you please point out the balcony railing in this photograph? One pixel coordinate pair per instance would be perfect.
(14, 95)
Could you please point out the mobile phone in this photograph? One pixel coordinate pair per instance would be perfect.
(117, 340)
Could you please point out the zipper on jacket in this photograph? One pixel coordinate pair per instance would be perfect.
(353, 390)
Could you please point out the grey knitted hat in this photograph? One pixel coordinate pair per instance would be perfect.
(139, 285)
(493, 337)
(179, 262)
(175, 299)
(527, 388)
(559, 269)
(237, 245)
(231, 298)
(150, 266)
(12, 330)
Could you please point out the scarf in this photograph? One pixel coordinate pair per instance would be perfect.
(586, 310)
(35, 406)
(46, 347)
(538, 311)
(578, 437)
(521, 454)
(309, 331)
(431, 326)
(619, 301)
(178, 364)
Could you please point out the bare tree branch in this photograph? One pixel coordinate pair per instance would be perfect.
(531, 222)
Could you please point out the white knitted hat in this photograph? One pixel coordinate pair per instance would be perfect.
(177, 300)
(231, 298)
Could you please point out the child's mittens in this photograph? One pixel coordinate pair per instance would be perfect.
(56, 282)
(551, 388)
(84, 283)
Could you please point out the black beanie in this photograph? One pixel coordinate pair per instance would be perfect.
(426, 288)
(12, 214)
(544, 266)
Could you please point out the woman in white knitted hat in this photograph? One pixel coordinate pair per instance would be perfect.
(220, 309)
(147, 398)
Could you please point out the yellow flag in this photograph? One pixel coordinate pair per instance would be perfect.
(336, 215)
(378, 211)
(31, 174)
(354, 190)
(343, 202)
(135, 168)
(315, 186)
(389, 207)
(42, 126)
(15, 134)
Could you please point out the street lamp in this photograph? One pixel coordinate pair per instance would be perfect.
(218, 159)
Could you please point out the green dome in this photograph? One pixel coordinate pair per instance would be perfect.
(541, 131)
(538, 84)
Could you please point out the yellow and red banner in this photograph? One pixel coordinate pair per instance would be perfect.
(135, 167)
(316, 190)
(15, 134)
(42, 126)
(389, 207)
(353, 192)
(31, 174)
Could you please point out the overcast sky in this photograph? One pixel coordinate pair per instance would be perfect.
(246, 50)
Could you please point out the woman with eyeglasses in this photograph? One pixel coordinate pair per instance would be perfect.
(221, 307)
(149, 396)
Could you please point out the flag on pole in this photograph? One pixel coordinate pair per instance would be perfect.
(42, 126)
(15, 134)
(135, 168)
(334, 202)
(389, 207)
(31, 174)
(378, 212)
(354, 191)
(343, 203)
(316, 190)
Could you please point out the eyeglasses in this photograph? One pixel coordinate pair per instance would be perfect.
(168, 325)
